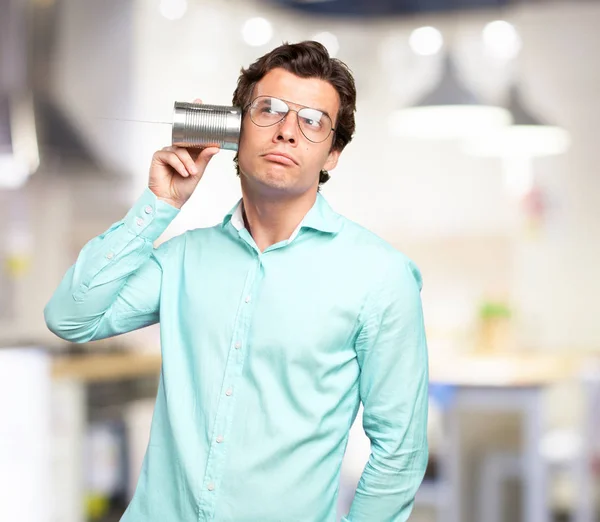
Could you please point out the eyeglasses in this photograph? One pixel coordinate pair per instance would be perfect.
(266, 111)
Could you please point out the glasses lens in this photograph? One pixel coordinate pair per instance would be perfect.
(315, 124)
(266, 111)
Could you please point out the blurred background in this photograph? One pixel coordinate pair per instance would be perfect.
(475, 154)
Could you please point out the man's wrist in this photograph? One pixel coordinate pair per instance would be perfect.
(171, 202)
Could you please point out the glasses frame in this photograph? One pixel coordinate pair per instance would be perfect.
(287, 103)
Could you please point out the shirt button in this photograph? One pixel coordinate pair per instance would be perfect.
(139, 222)
(229, 392)
(148, 209)
(238, 345)
(248, 299)
(210, 487)
(220, 439)
(110, 255)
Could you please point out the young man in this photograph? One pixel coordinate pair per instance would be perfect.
(275, 324)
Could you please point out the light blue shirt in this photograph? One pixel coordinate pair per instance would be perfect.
(265, 359)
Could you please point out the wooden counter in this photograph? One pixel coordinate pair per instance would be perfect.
(106, 367)
(525, 369)
(462, 369)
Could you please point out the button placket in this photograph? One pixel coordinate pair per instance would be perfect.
(226, 406)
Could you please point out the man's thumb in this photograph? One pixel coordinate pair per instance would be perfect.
(205, 156)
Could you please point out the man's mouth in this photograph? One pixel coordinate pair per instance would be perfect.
(281, 158)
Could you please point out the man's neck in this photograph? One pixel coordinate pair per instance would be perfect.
(271, 220)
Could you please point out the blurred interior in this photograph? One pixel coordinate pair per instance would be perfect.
(499, 209)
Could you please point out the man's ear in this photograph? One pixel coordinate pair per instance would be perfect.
(332, 160)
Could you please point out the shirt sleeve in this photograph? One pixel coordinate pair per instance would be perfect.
(114, 286)
(392, 354)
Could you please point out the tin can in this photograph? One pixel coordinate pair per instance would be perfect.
(203, 125)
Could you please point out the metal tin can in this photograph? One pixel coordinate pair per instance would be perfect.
(202, 125)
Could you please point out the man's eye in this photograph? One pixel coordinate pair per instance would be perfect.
(312, 123)
(269, 110)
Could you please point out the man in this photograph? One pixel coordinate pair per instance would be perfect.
(275, 324)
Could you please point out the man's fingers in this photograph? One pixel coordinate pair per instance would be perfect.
(193, 160)
(170, 158)
(186, 158)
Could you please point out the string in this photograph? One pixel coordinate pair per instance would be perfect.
(134, 121)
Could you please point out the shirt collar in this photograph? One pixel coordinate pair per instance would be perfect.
(320, 217)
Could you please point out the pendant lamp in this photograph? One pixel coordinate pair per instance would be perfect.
(449, 111)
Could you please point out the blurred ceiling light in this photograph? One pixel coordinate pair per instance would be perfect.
(19, 154)
(518, 144)
(501, 40)
(257, 31)
(173, 9)
(426, 41)
(527, 136)
(13, 173)
(330, 41)
(449, 111)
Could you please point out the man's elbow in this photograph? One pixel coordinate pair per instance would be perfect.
(62, 327)
(412, 459)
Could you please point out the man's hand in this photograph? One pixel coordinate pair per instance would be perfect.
(175, 172)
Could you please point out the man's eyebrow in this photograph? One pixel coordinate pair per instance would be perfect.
(325, 112)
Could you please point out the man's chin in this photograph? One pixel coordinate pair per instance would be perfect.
(274, 181)
(274, 178)
(274, 187)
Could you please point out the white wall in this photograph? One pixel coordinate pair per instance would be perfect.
(93, 74)
(556, 279)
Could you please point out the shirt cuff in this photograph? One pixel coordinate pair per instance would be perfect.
(150, 216)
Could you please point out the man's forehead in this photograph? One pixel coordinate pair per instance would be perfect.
(307, 92)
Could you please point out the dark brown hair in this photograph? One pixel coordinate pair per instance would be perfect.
(306, 59)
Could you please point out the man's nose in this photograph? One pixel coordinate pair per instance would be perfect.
(288, 128)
